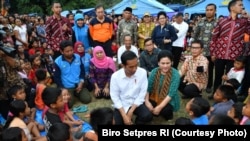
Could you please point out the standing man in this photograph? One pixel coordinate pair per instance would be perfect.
(203, 32)
(57, 29)
(69, 73)
(227, 40)
(101, 31)
(127, 26)
(181, 28)
(128, 88)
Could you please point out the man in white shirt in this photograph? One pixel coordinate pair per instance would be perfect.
(128, 88)
(181, 28)
(127, 46)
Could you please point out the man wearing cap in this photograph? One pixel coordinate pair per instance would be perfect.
(101, 31)
(127, 26)
(145, 29)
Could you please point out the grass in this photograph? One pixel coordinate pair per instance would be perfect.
(96, 103)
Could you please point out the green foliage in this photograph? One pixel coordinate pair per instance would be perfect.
(44, 6)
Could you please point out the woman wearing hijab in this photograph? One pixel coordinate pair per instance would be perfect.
(81, 31)
(101, 69)
(85, 56)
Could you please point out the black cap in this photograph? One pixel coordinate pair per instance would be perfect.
(128, 9)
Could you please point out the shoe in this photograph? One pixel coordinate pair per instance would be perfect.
(80, 109)
(208, 90)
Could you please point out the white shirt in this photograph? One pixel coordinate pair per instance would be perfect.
(22, 34)
(126, 91)
(237, 74)
(123, 49)
(183, 28)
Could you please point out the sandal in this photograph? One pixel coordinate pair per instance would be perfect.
(80, 109)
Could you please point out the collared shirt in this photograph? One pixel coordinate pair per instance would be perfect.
(126, 27)
(227, 39)
(54, 32)
(149, 61)
(145, 31)
(101, 32)
(182, 28)
(189, 69)
(126, 91)
(203, 31)
(122, 49)
(68, 74)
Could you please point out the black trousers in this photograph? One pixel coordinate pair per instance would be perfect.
(210, 72)
(246, 80)
(176, 51)
(222, 67)
(106, 47)
(143, 115)
(189, 90)
(167, 112)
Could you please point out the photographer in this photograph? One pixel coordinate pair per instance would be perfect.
(8, 76)
(194, 72)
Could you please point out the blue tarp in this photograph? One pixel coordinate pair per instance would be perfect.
(140, 7)
(200, 6)
(177, 7)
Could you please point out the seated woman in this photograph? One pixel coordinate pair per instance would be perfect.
(101, 69)
(162, 97)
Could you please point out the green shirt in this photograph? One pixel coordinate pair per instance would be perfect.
(173, 88)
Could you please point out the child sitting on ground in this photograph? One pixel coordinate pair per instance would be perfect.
(236, 112)
(237, 71)
(197, 109)
(17, 92)
(224, 98)
(246, 113)
(19, 110)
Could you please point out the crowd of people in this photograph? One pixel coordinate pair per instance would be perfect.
(146, 67)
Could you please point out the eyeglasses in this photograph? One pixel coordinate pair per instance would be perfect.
(195, 47)
(80, 20)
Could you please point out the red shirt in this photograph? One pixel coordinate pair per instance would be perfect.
(228, 38)
(54, 32)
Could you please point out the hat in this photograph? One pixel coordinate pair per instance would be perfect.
(129, 9)
(146, 14)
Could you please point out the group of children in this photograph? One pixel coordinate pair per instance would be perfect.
(51, 107)
(225, 110)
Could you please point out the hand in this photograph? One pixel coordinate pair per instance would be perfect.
(79, 87)
(106, 91)
(78, 122)
(157, 110)
(97, 91)
(65, 27)
(149, 106)
(166, 41)
(224, 77)
(213, 58)
(127, 120)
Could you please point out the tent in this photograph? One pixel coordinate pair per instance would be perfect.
(85, 11)
(140, 7)
(200, 6)
(177, 7)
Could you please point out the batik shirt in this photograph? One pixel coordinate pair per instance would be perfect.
(203, 31)
(124, 28)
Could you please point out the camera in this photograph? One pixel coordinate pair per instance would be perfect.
(200, 69)
(10, 51)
